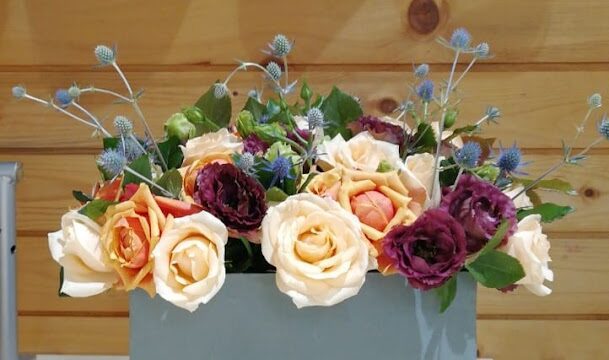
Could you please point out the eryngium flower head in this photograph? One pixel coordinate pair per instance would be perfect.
(123, 126)
(482, 50)
(595, 100)
(480, 207)
(460, 39)
(315, 118)
(280, 168)
(381, 130)
(247, 163)
(421, 71)
(74, 91)
(130, 148)
(280, 46)
(104, 54)
(254, 145)
(510, 160)
(112, 162)
(63, 98)
(274, 70)
(468, 155)
(220, 90)
(230, 195)
(429, 251)
(425, 90)
(492, 113)
(18, 91)
(603, 127)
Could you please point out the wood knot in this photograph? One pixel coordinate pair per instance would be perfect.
(387, 105)
(235, 93)
(423, 16)
(591, 193)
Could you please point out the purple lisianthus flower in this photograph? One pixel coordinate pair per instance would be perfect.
(480, 207)
(429, 251)
(380, 130)
(254, 145)
(230, 195)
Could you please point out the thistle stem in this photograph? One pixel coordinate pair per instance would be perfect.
(580, 130)
(301, 150)
(139, 113)
(105, 91)
(469, 66)
(138, 143)
(479, 122)
(148, 181)
(92, 117)
(244, 66)
(285, 67)
(457, 179)
(61, 110)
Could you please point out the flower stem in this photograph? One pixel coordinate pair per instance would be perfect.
(244, 65)
(92, 117)
(579, 131)
(139, 113)
(285, 67)
(469, 66)
(457, 179)
(105, 91)
(61, 110)
(301, 150)
(148, 181)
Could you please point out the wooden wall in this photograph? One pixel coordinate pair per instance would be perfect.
(549, 56)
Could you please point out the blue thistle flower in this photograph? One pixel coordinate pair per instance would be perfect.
(603, 127)
(104, 54)
(130, 149)
(123, 126)
(425, 90)
(280, 46)
(595, 100)
(460, 39)
(18, 91)
(220, 90)
(274, 70)
(482, 50)
(63, 98)
(247, 163)
(468, 155)
(253, 93)
(510, 160)
(315, 118)
(112, 162)
(421, 71)
(74, 91)
(492, 113)
(280, 167)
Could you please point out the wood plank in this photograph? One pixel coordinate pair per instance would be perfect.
(347, 31)
(543, 339)
(531, 102)
(579, 266)
(44, 193)
(497, 339)
(73, 335)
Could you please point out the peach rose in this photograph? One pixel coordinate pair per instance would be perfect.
(131, 232)
(417, 174)
(361, 152)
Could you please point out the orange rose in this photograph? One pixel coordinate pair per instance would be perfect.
(131, 231)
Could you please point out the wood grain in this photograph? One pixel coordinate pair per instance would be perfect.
(346, 31)
(574, 260)
(498, 339)
(44, 193)
(531, 102)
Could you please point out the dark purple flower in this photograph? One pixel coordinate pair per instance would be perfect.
(480, 207)
(254, 145)
(429, 251)
(229, 194)
(380, 130)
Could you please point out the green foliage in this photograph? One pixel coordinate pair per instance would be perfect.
(306, 94)
(255, 108)
(450, 118)
(245, 123)
(557, 185)
(80, 196)
(95, 208)
(61, 276)
(170, 149)
(201, 122)
(425, 138)
(170, 181)
(339, 110)
(110, 143)
(448, 176)
(275, 194)
(549, 212)
(140, 165)
(216, 110)
(496, 239)
(495, 269)
(384, 166)
(446, 293)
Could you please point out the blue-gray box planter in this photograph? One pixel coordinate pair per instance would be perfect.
(250, 319)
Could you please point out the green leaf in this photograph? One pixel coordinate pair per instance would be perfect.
(339, 110)
(216, 110)
(238, 255)
(550, 185)
(534, 197)
(548, 211)
(257, 109)
(110, 142)
(81, 196)
(468, 129)
(495, 269)
(170, 149)
(140, 165)
(275, 194)
(204, 126)
(61, 276)
(95, 209)
(170, 181)
(496, 239)
(446, 293)
(425, 137)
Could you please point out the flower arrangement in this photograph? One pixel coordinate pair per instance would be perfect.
(313, 190)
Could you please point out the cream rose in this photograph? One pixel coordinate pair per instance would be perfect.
(77, 248)
(531, 247)
(522, 200)
(211, 146)
(361, 152)
(189, 260)
(318, 248)
(417, 174)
